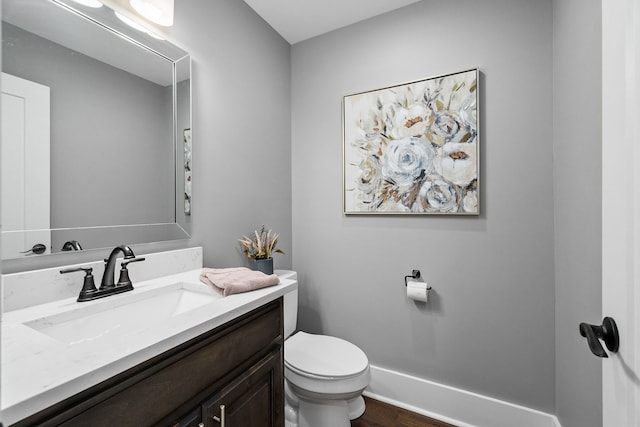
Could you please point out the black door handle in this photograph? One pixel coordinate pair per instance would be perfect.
(607, 332)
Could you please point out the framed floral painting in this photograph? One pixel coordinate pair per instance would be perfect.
(413, 148)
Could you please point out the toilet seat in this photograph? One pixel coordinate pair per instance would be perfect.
(324, 367)
(324, 357)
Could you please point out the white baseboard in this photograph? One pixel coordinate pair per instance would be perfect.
(449, 404)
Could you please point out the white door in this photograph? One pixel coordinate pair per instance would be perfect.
(25, 166)
(621, 208)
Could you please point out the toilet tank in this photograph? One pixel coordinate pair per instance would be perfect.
(290, 303)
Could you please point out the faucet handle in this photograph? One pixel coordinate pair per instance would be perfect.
(124, 273)
(88, 287)
(125, 261)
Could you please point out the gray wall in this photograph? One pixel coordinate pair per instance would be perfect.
(87, 98)
(577, 106)
(241, 127)
(490, 325)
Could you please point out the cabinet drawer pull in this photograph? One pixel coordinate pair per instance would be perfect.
(221, 418)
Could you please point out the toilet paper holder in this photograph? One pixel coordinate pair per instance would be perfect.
(415, 274)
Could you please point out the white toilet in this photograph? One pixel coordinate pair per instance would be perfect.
(324, 376)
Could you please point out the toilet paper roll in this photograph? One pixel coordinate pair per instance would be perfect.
(417, 291)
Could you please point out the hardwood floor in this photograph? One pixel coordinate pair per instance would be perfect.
(380, 414)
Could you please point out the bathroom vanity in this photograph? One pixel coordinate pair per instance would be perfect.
(233, 371)
(172, 352)
(236, 367)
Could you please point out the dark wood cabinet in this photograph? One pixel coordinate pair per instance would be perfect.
(253, 399)
(238, 366)
(193, 419)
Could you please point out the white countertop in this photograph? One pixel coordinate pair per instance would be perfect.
(39, 371)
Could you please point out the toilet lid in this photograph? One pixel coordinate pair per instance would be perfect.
(322, 355)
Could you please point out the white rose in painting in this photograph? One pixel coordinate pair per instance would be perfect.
(411, 121)
(470, 202)
(458, 163)
(447, 127)
(437, 195)
(371, 124)
(370, 174)
(405, 159)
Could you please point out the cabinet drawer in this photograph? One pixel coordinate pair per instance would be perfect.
(171, 384)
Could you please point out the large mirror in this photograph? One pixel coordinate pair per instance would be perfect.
(96, 131)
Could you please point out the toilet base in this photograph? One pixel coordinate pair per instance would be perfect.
(334, 413)
(356, 407)
(301, 412)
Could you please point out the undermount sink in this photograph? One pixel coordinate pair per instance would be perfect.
(124, 313)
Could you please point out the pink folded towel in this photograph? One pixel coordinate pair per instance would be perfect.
(236, 280)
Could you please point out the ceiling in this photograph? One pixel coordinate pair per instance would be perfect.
(298, 20)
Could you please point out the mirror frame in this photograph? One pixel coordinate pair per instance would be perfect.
(100, 237)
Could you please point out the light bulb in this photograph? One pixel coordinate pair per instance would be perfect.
(133, 24)
(158, 11)
(130, 22)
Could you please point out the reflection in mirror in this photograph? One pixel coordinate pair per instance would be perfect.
(93, 128)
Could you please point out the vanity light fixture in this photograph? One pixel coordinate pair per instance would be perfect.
(133, 24)
(130, 22)
(90, 3)
(155, 36)
(158, 11)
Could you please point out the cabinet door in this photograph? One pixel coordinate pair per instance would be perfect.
(255, 398)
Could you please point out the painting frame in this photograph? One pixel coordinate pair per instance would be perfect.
(413, 148)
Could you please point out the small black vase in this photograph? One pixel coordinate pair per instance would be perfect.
(265, 265)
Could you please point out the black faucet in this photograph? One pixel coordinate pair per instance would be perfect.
(107, 286)
(71, 245)
(110, 268)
